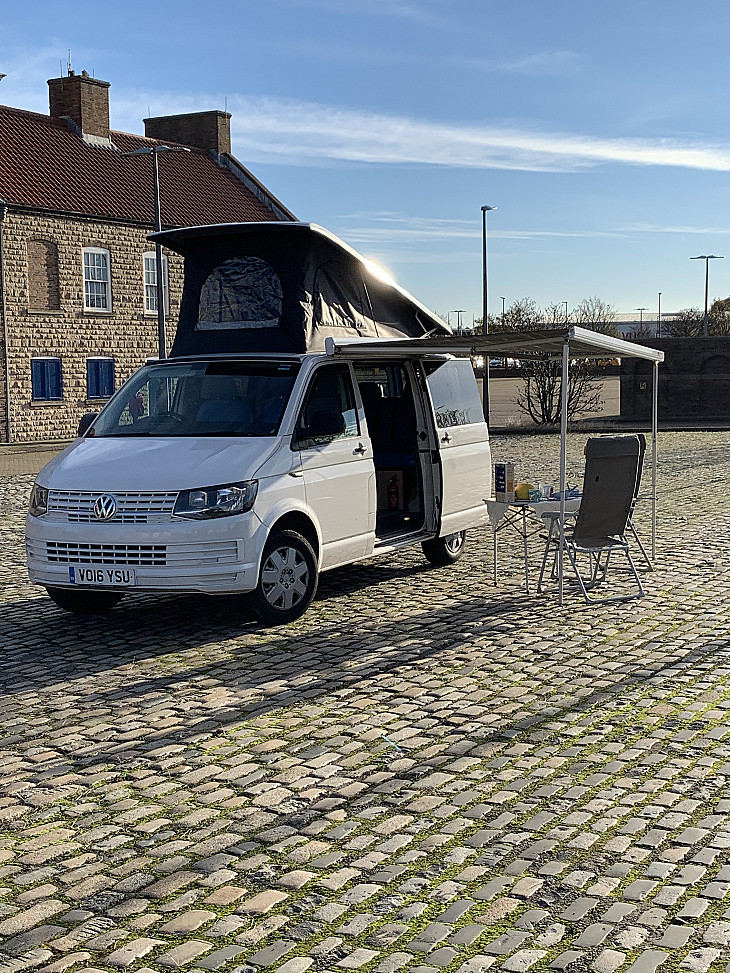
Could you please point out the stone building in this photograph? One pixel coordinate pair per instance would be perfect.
(78, 296)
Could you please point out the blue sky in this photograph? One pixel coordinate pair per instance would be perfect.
(598, 129)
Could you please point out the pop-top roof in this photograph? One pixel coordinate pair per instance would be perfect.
(284, 287)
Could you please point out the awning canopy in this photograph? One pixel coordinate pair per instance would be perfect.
(526, 345)
(564, 344)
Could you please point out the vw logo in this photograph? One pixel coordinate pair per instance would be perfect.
(105, 507)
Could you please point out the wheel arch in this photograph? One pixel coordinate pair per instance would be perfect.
(300, 523)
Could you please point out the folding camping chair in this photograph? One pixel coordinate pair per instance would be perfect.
(609, 486)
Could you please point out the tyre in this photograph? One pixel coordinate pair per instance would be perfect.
(287, 581)
(84, 602)
(445, 550)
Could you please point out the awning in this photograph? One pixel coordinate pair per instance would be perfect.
(527, 345)
(567, 344)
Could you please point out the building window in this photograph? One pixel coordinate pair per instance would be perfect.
(45, 375)
(44, 292)
(97, 283)
(99, 378)
(149, 262)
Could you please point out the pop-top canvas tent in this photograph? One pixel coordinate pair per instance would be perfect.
(284, 287)
(296, 288)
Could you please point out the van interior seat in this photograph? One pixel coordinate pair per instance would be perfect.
(392, 427)
(221, 403)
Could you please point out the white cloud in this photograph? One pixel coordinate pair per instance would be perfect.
(677, 228)
(294, 132)
(378, 229)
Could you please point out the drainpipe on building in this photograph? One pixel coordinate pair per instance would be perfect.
(4, 312)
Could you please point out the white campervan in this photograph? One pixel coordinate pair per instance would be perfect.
(298, 425)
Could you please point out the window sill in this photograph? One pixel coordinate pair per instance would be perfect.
(38, 403)
(54, 312)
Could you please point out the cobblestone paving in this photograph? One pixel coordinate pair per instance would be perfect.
(424, 773)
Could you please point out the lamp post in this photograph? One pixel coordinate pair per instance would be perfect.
(659, 317)
(641, 317)
(458, 312)
(485, 305)
(502, 300)
(566, 312)
(154, 151)
(707, 257)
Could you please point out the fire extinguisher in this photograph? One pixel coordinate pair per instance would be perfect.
(393, 494)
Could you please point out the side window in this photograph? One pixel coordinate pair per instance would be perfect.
(331, 391)
(45, 375)
(454, 393)
(99, 378)
(149, 272)
(97, 280)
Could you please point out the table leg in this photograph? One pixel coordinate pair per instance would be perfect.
(494, 555)
(524, 543)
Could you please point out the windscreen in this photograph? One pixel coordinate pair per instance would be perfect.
(242, 398)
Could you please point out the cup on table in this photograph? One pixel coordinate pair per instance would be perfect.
(546, 490)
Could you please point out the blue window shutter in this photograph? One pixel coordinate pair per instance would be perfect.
(107, 381)
(37, 377)
(91, 384)
(54, 379)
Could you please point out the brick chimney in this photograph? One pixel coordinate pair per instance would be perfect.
(83, 100)
(209, 130)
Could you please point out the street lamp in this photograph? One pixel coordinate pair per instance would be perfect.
(641, 316)
(154, 151)
(502, 300)
(659, 317)
(707, 257)
(458, 314)
(566, 311)
(485, 318)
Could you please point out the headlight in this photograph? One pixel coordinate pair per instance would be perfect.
(38, 503)
(216, 501)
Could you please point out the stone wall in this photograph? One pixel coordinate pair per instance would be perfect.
(694, 381)
(126, 333)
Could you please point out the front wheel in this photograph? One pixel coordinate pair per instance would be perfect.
(288, 579)
(445, 550)
(84, 602)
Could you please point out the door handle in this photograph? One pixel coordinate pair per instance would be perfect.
(359, 449)
(446, 438)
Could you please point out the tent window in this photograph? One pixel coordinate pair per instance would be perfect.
(241, 293)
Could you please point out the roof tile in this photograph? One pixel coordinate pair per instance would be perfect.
(46, 165)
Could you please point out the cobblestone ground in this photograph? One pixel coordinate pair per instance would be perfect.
(424, 773)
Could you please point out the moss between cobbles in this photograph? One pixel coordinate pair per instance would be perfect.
(627, 711)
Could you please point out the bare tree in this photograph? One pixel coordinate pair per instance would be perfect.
(542, 382)
(595, 314)
(718, 317)
(686, 323)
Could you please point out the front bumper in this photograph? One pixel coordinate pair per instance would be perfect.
(212, 556)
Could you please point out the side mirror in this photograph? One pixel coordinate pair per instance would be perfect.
(85, 421)
(323, 425)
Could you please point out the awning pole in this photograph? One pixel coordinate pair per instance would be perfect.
(563, 465)
(654, 438)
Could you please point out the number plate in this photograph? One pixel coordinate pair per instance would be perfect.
(94, 576)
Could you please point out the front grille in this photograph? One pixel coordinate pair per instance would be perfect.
(128, 554)
(132, 508)
(141, 555)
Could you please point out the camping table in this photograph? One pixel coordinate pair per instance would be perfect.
(514, 516)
